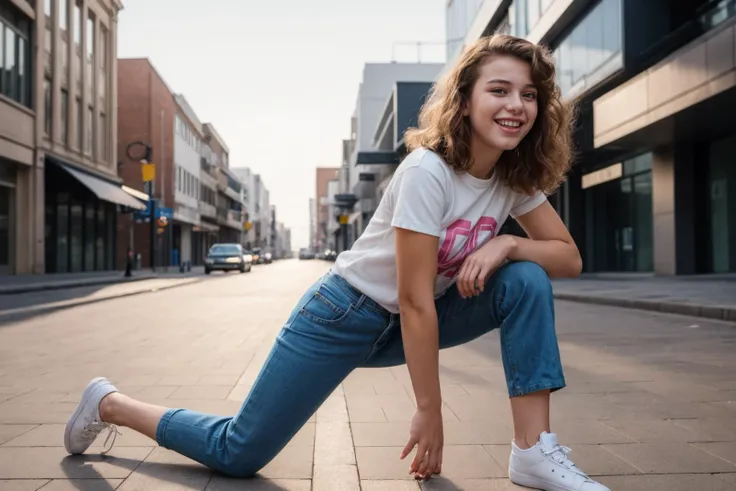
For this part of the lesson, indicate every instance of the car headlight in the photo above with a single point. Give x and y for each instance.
(248, 258)
(268, 255)
(233, 260)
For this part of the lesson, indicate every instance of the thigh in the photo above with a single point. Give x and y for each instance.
(460, 320)
(328, 334)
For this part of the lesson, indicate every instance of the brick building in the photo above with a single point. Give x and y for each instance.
(146, 114)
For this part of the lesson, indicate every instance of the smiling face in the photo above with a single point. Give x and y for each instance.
(503, 104)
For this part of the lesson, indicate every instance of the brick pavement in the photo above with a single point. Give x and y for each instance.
(650, 403)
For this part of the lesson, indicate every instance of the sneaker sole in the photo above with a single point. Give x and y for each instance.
(86, 395)
(534, 482)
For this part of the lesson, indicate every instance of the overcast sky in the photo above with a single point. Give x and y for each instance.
(278, 78)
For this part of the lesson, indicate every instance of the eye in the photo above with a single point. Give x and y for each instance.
(498, 91)
(532, 96)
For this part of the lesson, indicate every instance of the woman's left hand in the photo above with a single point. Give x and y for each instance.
(479, 265)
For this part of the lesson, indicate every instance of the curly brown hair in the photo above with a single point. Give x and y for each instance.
(543, 157)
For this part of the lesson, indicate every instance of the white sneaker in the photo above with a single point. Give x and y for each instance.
(85, 423)
(546, 466)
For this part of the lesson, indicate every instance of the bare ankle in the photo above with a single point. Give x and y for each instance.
(107, 408)
(526, 441)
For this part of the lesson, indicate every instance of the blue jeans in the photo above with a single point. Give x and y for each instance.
(335, 329)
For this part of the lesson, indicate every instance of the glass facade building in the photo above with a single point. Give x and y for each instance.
(618, 228)
(653, 187)
(591, 50)
(80, 229)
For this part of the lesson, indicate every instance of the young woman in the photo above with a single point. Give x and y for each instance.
(429, 272)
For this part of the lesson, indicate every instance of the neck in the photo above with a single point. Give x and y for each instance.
(484, 158)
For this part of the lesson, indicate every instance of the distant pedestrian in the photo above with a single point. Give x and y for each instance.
(429, 272)
(129, 263)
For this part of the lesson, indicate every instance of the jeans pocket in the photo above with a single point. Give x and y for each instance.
(327, 305)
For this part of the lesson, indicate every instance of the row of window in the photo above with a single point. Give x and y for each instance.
(15, 58)
(187, 183)
(590, 47)
(190, 136)
(459, 16)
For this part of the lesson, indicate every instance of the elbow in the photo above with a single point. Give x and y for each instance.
(568, 266)
(413, 305)
(575, 265)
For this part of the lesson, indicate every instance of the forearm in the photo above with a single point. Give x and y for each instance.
(420, 333)
(558, 258)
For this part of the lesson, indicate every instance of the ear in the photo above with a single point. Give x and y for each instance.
(466, 108)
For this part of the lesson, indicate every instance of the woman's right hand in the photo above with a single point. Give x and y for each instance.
(427, 433)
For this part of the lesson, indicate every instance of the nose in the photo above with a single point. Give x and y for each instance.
(515, 104)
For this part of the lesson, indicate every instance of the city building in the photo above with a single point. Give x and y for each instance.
(194, 226)
(193, 187)
(312, 222)
(60, 195)
(357, 200)
(322, 217)
(247, 180)
(653, 188)
(229, 196)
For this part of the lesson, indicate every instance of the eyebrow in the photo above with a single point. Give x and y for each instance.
(506, 82)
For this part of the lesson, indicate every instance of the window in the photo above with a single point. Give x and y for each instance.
(11, 68)
(15, 31)
(592, 50)
(64, 117)
(47, 107)
(48, 35)
(102, 57)
(64, 38)
(80, 125)
(90, 130)
(535, 9)
(104, 156)
(91, 45)
(63, 15)
(78, 66)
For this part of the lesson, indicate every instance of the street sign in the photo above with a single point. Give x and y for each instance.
(145, 215)
(149, 171)
(344, 219)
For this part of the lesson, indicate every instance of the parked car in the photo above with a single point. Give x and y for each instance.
(227, 257)
(260, 257)
(305, 253)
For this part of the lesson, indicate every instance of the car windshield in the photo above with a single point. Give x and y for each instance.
(225, 249)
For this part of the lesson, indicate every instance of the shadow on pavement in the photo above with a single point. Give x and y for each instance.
(80, 470)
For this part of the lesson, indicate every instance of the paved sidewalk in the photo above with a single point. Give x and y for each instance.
(14, 284)
(650, 403)
(711, 297)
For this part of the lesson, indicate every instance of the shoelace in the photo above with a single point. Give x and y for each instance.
(91, 430)
(559, 454)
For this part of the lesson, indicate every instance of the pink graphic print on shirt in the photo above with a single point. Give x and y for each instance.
(448, 264)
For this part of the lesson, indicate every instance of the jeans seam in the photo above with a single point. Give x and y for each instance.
(555, 384)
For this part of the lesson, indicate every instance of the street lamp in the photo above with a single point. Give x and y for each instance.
(141, 152)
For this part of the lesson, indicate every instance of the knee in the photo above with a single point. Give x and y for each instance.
(239, 465)
(526, 279)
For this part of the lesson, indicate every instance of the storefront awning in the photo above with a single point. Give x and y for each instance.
(105, 190)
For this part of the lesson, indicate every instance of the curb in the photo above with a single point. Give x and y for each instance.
(72, 284)
(717, 312)
(24, 313)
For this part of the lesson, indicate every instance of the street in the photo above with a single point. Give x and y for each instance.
(650, 403)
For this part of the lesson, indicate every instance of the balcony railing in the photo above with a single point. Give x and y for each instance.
(207, 210)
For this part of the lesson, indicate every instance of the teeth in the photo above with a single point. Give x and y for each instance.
(511, 124)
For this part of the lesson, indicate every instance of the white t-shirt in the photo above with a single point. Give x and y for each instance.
(426, 195)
